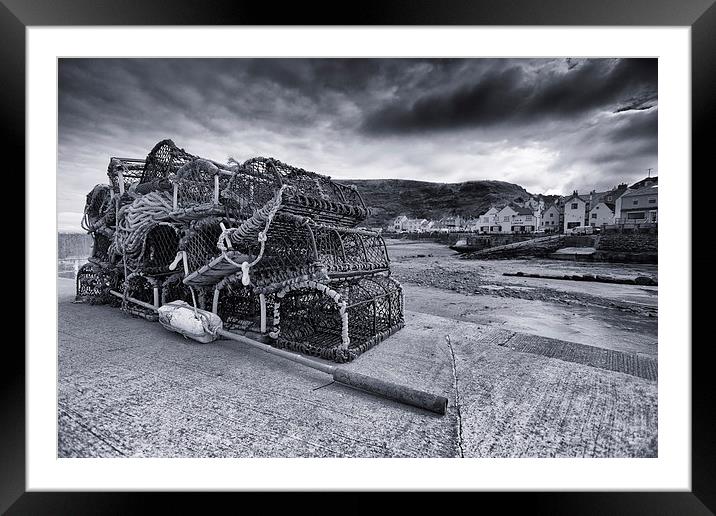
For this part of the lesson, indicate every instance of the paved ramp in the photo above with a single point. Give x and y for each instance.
(127, 387)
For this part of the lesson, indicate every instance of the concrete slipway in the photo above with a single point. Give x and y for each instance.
(127, 387)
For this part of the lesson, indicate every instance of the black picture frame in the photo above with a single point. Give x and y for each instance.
(700, 15)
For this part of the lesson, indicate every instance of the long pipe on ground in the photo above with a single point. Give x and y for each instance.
(376, 386)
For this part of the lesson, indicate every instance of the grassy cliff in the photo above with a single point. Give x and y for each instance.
(389, 198)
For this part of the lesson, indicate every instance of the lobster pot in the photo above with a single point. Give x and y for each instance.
(197, 185)
(340, 320)
(141, 288)
(239, 306)
(173, 289)
(98, 204)
(124, 173)
(100, 248)
(349, 252)
(160, 249)
(288, 252)
(248, 189)
(163, 160)
(314, 195)
(94, 283)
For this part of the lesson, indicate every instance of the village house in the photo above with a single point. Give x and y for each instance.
(399, 223)
(637, 206)
(403, 224)
(516, 219)
(601, 214)
(415, 225)
(575, 210)
(550, 222)
(451, 223)
(488, 222)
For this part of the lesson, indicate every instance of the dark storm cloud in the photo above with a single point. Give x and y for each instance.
(514, 94)
(551, 125)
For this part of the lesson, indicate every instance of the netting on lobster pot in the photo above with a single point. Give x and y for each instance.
(164, 159)
(239, 306)
(141, 288)
(199, 241)
(314, 195)
(94, 283)
(340, 320)
(198, 184)
(289, 248)
(123, 173)
(100, 248)
(349, 252)
(160, 248)
(249, 187)
(98, 204)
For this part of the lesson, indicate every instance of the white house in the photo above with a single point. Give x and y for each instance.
(504, 218)
(575, 211)
(602, 213)
(516, 219)
(415, 225)
(637, 206)
(550, 220)
(451, 223)
(399, 223)
(487, 222)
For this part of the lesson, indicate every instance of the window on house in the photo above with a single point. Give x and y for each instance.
(635, 215)
(551, 215)
(594, 215)
(505, 219)
(529, 217)
(636, 202)
(574, 205)
(652, 201)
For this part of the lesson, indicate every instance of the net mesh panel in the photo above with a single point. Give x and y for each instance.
(288, 248)
(200, 241)
(345, 251)
(195, 184)
(94, 283)
(310, 321)
(142, 289)
(132, 171)
(250, 187)
(239, 307)
(100, 248)
(163, 160)
(314, 195)
(99, 202)
(160, 249)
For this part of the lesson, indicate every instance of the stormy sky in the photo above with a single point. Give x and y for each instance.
(549, 125)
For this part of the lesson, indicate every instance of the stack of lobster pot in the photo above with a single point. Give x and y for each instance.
(274, 250)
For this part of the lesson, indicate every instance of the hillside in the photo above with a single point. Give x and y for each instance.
(389, 198)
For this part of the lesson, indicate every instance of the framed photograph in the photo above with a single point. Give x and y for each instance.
(414, 250)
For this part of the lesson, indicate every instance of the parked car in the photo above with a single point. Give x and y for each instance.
(580, 230)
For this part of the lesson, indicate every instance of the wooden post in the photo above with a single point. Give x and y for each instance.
(156, 297)
(216, 189)
(175, 196)
(120, 182)
(262, 300)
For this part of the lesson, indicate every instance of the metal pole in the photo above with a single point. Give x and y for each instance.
(376, 386)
